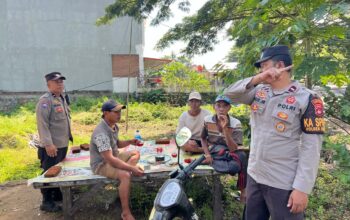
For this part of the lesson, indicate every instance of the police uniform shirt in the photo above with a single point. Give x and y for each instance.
(103, 138)
(212, 134)
(53, 121)
(286, 128)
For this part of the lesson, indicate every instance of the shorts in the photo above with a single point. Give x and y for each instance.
(107, 170)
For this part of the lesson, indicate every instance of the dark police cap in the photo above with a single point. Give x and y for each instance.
(269, 52)
(54, 76)
(112, 106)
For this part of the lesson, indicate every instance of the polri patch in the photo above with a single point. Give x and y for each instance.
(318, 106)
(261, 94)
(290, 99)
(254, 107)
(312, 121)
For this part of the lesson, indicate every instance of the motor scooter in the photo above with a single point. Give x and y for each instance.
(171, 201)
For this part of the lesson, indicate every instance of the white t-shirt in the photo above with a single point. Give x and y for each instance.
(194, 123)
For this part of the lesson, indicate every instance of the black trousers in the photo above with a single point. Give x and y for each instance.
(45, 163)
(264, 201)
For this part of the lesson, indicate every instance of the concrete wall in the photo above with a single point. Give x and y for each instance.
(41, 36)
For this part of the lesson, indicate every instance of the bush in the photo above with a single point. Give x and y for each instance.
(87, 118)
(153, 96)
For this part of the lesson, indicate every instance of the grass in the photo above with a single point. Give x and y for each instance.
(329, 200)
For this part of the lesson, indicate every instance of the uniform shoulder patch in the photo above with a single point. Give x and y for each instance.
(312, 121)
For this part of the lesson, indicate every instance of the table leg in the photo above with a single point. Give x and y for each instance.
(217, 200)
(67, 202)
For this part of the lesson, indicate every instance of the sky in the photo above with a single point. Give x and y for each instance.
(153, 34)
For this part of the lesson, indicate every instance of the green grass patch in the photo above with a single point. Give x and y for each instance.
(329, 200)
(17, 164)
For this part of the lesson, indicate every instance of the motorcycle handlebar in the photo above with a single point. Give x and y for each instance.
(187, 171)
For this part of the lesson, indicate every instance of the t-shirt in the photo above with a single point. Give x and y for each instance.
(103, 138)
(215, 137)
(194, 123)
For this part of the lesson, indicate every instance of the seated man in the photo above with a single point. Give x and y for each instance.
(193, 119)
(105, 158)
(224, 133)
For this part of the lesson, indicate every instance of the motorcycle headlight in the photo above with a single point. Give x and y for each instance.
(170, 194)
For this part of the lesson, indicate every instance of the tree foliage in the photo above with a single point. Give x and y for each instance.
(177, 77)
(317, 31)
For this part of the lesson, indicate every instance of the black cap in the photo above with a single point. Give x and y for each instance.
(112, 105)
(54, 76)
(269, 52)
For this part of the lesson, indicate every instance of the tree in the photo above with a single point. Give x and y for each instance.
(317, 32)
(177, 77)
(311, 28)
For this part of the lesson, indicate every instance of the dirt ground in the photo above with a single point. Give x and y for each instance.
(19, 201)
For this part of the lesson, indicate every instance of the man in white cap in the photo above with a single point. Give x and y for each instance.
(194, 120)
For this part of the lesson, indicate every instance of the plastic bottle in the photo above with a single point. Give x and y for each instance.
(138, 135)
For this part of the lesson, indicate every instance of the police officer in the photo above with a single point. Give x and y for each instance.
(287, 126)
(53, 122)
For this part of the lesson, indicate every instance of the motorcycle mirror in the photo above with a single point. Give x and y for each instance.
(183, 136)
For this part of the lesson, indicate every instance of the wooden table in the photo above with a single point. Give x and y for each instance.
(76, 172)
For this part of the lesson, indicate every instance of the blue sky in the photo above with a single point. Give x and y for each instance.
(153, 34)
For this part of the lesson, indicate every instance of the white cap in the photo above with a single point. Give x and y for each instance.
(194, 95)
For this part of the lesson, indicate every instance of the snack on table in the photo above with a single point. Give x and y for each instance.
(75, 150)
(163, 141)
(53, 171)
(159, 158)
(85, 146)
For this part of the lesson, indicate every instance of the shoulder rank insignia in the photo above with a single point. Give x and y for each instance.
(312, 122)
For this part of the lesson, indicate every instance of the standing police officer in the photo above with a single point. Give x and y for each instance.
(287, 126)
(53, 122)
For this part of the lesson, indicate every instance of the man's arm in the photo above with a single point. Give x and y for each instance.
(42, 111)
(309, 154)
(239, 92)
(231, 144)
(309, 158)
(102, 142)
(122, 144)
(204, 142)
(118, 163)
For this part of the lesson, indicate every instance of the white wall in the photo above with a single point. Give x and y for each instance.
(41, 36)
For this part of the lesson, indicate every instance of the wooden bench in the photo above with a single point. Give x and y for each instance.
(76, 173)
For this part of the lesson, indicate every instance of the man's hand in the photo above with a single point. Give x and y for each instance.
(137, 171)
(223, 121)
(51, 150)
(272, 74)
(297, 201)
(208, 159)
